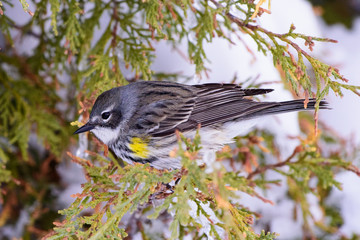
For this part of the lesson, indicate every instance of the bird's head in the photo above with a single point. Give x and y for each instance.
(110, 114)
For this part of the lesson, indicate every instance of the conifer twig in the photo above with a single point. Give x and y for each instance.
(262, 169)
(309, 41)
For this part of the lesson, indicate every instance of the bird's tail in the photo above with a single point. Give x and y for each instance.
(287, 106)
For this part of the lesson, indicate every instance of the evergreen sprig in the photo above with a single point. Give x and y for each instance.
(114, 191)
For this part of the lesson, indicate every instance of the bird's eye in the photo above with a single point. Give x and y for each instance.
(105, 115)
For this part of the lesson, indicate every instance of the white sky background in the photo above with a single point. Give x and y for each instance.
(229, 60)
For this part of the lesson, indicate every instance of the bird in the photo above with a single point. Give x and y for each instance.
(139, 121)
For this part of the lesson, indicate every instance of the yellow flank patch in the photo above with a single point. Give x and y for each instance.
(139, 147)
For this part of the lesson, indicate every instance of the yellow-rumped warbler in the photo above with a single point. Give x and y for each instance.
(138, 121)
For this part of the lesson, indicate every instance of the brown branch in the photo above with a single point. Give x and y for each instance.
(24, 31)
(262, 169)
(283, 38)
(353, 169)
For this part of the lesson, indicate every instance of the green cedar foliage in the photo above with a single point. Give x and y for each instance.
(35, 129)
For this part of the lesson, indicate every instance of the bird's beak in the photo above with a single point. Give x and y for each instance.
(85, 128)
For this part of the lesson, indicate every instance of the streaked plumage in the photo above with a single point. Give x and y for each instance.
(151, 112)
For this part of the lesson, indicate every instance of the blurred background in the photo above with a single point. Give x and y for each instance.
(335, 19)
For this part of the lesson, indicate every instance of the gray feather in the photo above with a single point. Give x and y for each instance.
(219, 103)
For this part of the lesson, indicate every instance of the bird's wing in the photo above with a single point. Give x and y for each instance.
(162, 107)
(185, 109)
(166, 107)
(219, 103)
